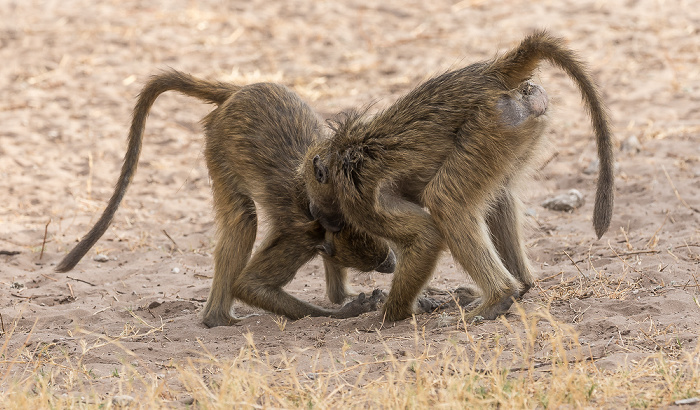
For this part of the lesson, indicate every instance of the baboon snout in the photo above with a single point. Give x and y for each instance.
(389, 263)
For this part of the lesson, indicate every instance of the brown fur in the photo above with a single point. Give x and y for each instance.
(438, 169)
(255, 141)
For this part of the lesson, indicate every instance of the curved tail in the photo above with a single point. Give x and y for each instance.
(212, 92)
(517, 65)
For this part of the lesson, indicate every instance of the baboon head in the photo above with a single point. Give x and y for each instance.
(345, 245)
(321, 191)
(351, 248)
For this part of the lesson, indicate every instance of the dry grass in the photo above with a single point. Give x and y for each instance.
(547, 368)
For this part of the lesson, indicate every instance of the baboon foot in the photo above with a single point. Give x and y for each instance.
(422, 305)
(397, 311)
(220, 319)
(361, 304)
(490, 311)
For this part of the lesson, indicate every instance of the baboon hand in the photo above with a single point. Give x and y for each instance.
(361, 304)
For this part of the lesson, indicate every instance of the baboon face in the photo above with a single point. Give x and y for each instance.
(343, 244)
(321, 190)
(352, 248)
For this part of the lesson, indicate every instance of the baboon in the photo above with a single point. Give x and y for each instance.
(255, 141)
(440, 167)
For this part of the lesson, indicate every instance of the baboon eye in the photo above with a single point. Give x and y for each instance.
(320, 170)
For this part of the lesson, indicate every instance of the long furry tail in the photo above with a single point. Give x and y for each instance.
(212, 92)
(517, 65)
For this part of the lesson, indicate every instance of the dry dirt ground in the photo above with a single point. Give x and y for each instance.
(68, 81)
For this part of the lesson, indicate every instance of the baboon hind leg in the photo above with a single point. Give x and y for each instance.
(468, 240)
(505, 227)
(237, 224)
(274, 265)
(460, 216)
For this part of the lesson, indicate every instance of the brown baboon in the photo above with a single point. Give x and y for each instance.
(456, 145)
(255, 140)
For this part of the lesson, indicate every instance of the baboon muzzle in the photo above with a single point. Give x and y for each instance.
(389, 264)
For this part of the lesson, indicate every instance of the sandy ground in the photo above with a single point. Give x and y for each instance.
(69, 77)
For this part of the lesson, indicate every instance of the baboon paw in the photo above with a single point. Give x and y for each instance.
(490, 311)
(361, 304)
(220, 320)
(395, 311)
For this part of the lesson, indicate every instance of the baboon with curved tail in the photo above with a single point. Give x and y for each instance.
(438, 168)
(255, 139)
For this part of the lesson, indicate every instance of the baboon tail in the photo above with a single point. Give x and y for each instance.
(212, 92)
(517, 65)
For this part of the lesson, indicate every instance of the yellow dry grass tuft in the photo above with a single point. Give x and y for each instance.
(548, 369)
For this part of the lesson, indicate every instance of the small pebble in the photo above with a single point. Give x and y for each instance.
(175, 270)
(592, 167)
(565, 202)
(631, 145)
(100, 258)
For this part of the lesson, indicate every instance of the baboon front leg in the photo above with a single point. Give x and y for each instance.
(505, 226)
(274, 265)
(412, 229)
(236, 228)
(337, 287)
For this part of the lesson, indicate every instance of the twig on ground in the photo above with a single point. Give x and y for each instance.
(652, 280)
(80, 280)
(575, 265)
(43, 244)
(101, 310)
(550, 277)
(9, 253)
(636, 252)
(171, 239)
(651, 240)
(678, 195)
(543, 364)
(49, 277)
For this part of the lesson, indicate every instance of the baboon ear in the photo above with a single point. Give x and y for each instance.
(320, 170)
(327, 248)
